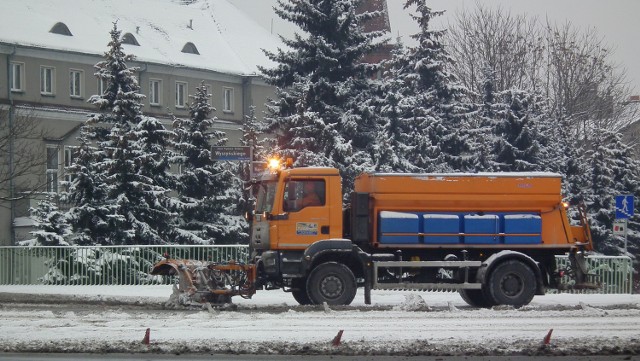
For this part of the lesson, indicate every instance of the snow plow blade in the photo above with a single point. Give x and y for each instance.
(205, 282)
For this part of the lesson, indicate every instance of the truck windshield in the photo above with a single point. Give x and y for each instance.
(266, 195)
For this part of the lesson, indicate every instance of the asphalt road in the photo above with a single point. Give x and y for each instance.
(59, 328)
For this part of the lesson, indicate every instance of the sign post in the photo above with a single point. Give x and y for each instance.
(624, 211)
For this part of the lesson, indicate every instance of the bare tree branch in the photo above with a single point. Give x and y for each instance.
(571, 66)
(22, 155)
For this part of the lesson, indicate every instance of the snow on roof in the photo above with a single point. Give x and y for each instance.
(226, 38)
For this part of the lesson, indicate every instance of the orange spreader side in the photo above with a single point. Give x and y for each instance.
(538, 193)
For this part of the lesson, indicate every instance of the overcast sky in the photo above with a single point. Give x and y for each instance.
(618, 21)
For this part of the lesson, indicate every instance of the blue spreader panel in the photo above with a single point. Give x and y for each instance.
(522, 229)
(396, 227)
(481, 229)
(441, 228)
(399, 227)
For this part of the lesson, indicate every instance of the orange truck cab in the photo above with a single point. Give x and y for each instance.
(493, 237)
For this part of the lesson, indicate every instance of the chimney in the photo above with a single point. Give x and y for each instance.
(380, 23)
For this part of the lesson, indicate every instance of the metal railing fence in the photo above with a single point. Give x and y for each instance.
(102, 265)
(130, 265)
(613, 273)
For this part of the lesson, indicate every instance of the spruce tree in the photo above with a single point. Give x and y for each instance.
(131, 158)
(323, 113)
(600, 199)
(517, 146)
(51, 224)
(87, 194)
(617, 174)
(251, 137)
(203, 184)
(626, 172)
(482, 125)
(391, 142)
(437, 134)
(569, 160)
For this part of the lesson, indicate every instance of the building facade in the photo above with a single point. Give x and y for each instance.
(48, 50)
(47, 61)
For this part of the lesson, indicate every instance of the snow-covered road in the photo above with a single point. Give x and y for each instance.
(398, 323)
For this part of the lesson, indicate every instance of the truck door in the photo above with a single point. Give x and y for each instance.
(305, 204)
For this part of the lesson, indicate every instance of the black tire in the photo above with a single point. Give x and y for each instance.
(299, 291)
(333, 283)
(476, 298)
(512, 283)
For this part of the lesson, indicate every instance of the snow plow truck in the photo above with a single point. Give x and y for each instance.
(492, 237)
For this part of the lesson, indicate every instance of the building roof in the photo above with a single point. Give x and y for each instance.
(204, 34)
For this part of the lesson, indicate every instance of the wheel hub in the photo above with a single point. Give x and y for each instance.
(331, 287)
(512, 285)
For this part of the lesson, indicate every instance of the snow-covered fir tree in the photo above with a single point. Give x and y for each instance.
(570, 161)
(437, 135)
(600, 199)
(203, 185)
(132, 156)
(324, 113)
(50, 223)
(614, 172)
(253, 138)
(517, 146)
(482, 124)
(391, 142)
(86, 194)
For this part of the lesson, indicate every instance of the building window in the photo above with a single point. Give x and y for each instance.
(61, 28)
(128, 38)
(190, 48)
(181, 94)
(17, 77)
(69, 159)
(155, 92)
(227, 101)
(75, 83)
(47, 77)
(52, 169)
(102, 86)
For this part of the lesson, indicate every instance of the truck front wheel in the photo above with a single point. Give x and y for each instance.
(333, 283)
(512, 283)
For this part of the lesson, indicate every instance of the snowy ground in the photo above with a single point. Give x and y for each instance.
(114, 319)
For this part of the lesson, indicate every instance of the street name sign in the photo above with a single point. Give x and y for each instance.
(231, 153)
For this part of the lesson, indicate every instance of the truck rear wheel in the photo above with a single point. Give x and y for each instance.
(475, 298)
(333, 283)
(512, 283)
(299, 291)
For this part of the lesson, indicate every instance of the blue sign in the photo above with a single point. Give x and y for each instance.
(624, 206)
